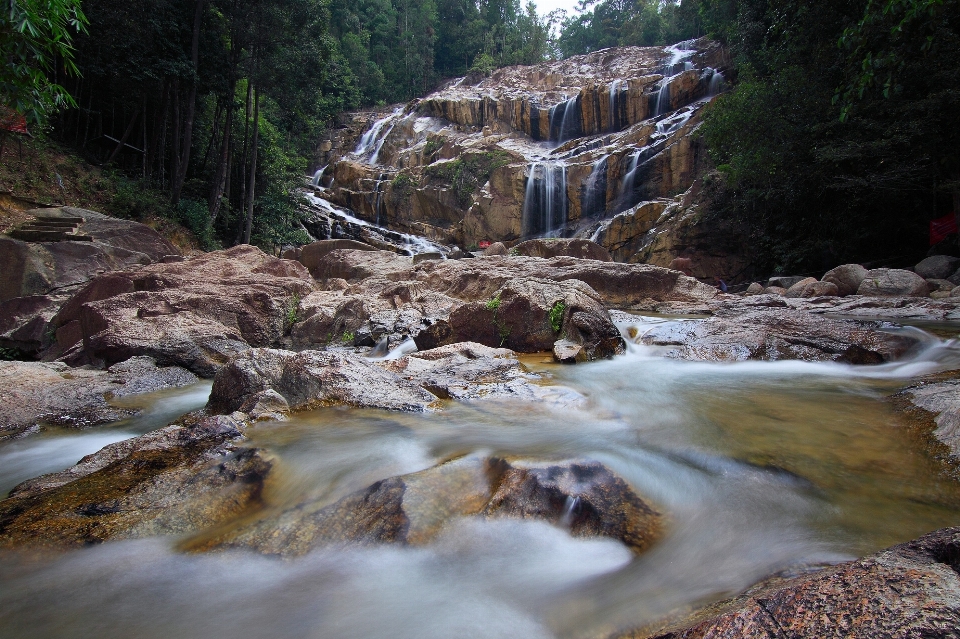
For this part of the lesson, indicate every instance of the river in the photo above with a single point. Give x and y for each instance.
(759, 467)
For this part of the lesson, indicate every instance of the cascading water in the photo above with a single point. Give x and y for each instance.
(595, 190)
(545, 200)
(678, 62)
(371, 142)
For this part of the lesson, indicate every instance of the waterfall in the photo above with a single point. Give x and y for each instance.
(368, 148)
(565, 121)
(595, 190)
(716, 84)
(545, 201)
(678, 62)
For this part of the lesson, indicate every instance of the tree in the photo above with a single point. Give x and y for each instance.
(36, 41)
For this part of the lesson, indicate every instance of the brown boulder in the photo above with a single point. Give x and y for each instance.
(847, 278)
(583, 249)
(411, 509)
(892, 282)
(910, 590)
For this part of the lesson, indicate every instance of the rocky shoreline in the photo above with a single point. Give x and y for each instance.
(338, 327)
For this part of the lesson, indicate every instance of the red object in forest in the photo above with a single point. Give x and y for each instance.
(484, 244)
(12, 121)
(942, 227)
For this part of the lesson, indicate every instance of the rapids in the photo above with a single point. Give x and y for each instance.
(758, 466)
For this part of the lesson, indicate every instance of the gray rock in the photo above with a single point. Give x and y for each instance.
(891, 282)
(937, 267)
(847, 278)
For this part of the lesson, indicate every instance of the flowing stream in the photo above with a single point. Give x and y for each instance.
(759, 467)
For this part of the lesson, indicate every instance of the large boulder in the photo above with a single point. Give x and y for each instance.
(197, 314)
(754, 329)
(39, 394)
(893, 282)
(583, 249)
(584, 497)
(173, 481)
(847, 278)
(937, 267)
(37, 268)
(910, 590)
(310, 379)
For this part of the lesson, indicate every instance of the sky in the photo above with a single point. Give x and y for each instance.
(546, 6)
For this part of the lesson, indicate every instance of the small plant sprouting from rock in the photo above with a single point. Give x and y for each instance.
(494, 303)
(556, 316)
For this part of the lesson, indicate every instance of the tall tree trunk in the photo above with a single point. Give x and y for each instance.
(186, 145)
(220, 179)
(251, 189)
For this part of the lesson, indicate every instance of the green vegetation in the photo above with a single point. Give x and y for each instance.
(467, 173)
(556, 315)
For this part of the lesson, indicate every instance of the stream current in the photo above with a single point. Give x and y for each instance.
(758, 466)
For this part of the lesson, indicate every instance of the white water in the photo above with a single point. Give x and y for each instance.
(758, 465)
(545, 199)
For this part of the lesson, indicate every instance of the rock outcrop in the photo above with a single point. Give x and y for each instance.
(39, 394)
(584, 497)
(910, 590)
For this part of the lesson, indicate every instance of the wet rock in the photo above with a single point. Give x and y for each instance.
(546, 248)
(37, 268)
(892, 282)
(582, 496)
(847, 278)
(196, 314)
(910, 590)
(937, 267)
(177, 480)
(942, 400)
(466, 371)
(38, 394)
(310, 379)
(743, 332)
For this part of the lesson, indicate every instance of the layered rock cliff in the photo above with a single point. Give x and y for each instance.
(589, 146)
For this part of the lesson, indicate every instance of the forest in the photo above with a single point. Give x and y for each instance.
(838, 141)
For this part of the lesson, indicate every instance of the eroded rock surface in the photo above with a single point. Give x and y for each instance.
(177, 480)
(582, 496)
(910, 590)
(38, 394)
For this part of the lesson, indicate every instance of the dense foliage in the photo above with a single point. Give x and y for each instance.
(839, 142)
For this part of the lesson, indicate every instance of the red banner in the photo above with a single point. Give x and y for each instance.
(12, 121)
(942, 227)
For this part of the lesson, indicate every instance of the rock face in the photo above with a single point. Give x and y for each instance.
(584, 497)
(910, 590)
(177, 480)
(196, 314)
(555, 149)
(54, 394)
(891, 282)
(37, 268)
(756, 330)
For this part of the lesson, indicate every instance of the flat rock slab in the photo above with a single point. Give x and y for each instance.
(177, 480)
(54, 394)
(584, 497)
(910, 590)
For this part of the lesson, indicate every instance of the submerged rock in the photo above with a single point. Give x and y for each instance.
(584, 497)
(910, 590)
(176, 480)
(38, 394)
